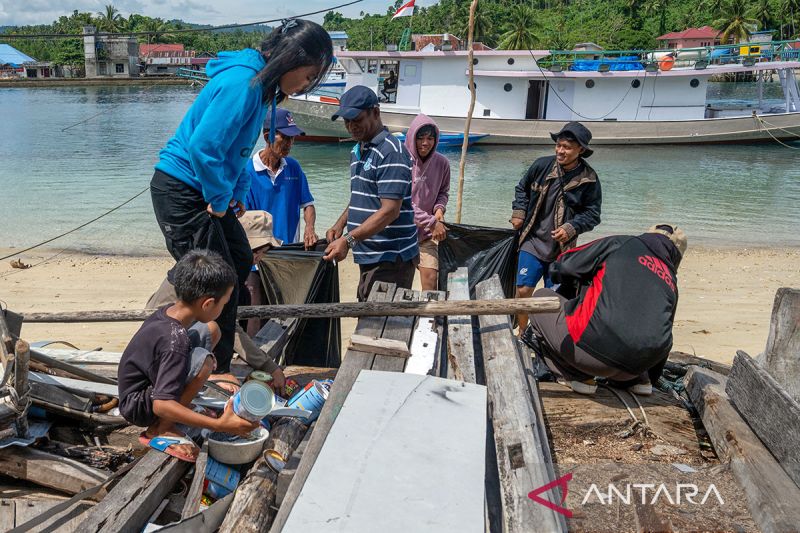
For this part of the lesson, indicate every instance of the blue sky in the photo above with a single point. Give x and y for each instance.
(17, 12)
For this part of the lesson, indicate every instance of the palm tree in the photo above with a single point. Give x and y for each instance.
(658, 7)
(110, 19)
(734, 22)
(482, 28)
(715, 7)
(520, 31)
(762, 12)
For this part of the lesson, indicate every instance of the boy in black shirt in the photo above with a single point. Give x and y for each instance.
(169, 359)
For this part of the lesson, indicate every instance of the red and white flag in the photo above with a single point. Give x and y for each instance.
(406, 10)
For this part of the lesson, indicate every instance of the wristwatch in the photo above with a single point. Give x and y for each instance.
(351, 241)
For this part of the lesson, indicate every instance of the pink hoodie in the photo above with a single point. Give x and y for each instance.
(430, 179)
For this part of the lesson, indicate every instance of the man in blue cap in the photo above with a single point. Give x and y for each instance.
(378, 223)
(278, 184)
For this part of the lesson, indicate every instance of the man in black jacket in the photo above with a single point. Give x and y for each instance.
(557, 199)
(618, 325)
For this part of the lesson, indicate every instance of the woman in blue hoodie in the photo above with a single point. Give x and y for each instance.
(200, 181)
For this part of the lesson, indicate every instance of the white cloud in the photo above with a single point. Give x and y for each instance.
(196, 11)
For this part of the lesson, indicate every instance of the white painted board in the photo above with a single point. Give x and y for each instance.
(81, 357)
(406, 453)
(424, 344)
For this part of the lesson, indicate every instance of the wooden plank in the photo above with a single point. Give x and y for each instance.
(64, 522)
(771, 494)
(49, 470)
(351, 366)
(424, 348)
(436, 329)
(77, 371)
(192, 504)
(332, 310)
(8, 513)
(77, 385)
(419, 441)
(273, 337)
(80, 357)
(287, 474)
(22, 359)
(773, 415)
(398, 328)
(689, 359)
(389, 347)
(56, 395)
(520, 460)
(253, 507)
(460, 351)
(133, 500)
(782, 354)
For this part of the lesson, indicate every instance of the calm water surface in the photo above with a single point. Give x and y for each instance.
(52, 180)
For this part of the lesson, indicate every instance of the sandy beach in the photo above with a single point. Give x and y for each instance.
(726, 295)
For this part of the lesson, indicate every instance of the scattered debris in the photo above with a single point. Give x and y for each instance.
(17, 263)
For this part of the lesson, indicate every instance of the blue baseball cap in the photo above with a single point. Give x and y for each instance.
(284, 122)
(354, 101)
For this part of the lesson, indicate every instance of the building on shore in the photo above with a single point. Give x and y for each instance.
(442, 41)
(164, 59)
(690, 38)
(339, 40)
(106, 56)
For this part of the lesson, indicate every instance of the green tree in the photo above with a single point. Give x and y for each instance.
(658, 8)
(735, 23)
(482, 24)
(762, 12)
(110, 19)
(520, 31)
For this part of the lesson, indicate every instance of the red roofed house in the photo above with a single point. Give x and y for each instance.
(691, 38)
(164, 59)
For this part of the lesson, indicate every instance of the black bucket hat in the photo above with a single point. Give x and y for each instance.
(581, 134)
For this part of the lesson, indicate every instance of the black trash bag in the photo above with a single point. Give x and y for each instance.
(292, 275)
(484, 251)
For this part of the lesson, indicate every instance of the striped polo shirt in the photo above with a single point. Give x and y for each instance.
(379, 169)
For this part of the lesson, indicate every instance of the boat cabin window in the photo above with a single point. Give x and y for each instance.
(372, 66)
(388, 80)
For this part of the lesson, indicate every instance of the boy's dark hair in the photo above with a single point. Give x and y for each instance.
(567, 136)
(202, 273)
(427, 129)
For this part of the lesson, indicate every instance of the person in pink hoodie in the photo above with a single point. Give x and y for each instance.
(430, 190)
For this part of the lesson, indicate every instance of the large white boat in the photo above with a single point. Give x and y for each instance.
(652, 97)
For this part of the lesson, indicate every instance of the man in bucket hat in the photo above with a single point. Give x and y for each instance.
(558, 198)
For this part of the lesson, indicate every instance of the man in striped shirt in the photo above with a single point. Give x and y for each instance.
(378, 223)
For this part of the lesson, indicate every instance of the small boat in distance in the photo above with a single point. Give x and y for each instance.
(624, 97)
(451, 140)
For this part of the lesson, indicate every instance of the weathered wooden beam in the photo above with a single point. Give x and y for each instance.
(77, 371)
(191, 505)
(520, 460)
(287, 474)
(274, 336)
(6, 340)
(132, 501)
(782, 354)
(389, 347)
(22, 359)
(352, 365)
(460, 352)
(332, 310)
(771, 494)
(253, 507)
(683, 358)
(58, 396)
(49, 470)
(397, 331)
(773, 415)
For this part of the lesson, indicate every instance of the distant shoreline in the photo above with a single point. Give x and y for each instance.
(90, 82)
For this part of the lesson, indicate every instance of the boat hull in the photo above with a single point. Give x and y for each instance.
(315, 119)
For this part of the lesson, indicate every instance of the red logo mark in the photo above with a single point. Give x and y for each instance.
(658, 268)
(560, 482)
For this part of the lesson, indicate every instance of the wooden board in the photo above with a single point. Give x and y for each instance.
(15, 513)
(192, 504)
(424, 348)
(273, 337)
(461, 353)
(129, 505)
(782, 354)
(772, 414)
(398, 328)
(49, 470)
(76, 385)
(80, 357)
(391, 421)
(351, 366)
(390, 347)
(287, 474)
(520, 461)
(771, 495)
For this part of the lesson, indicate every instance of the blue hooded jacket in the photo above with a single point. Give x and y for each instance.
(213, 143)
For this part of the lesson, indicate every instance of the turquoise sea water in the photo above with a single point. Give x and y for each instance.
(53, 180)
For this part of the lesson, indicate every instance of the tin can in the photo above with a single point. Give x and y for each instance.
(215, 490)
(259, 376)
(222, 474)
(311, 398)
(291, 387)
(253, 401)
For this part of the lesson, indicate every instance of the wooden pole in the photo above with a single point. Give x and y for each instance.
(22, 358)
(509, 306)
(468, 123)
